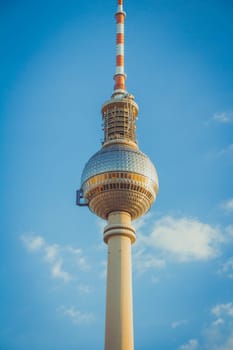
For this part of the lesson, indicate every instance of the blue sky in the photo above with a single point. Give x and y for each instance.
(57, 63)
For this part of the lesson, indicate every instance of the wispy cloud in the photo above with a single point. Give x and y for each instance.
(177, 324)
(227, 206)
(218, 334)
(223, 310)
(184, 239)
(76, 316)
(51, 252)
(228, 345)
(226, 268)
(218, 338)
(56, 256)
(143, 261)
(58, 272)
(219, 321)
(33, 243)
(84, 289)
(227, 151)
(223, 117)
(142, 221)
(192, 344)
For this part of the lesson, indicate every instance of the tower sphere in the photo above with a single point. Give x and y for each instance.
(119, 178)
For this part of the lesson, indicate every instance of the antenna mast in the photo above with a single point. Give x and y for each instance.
(120, 76)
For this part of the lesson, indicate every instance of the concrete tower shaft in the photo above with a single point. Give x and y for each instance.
(119, 235)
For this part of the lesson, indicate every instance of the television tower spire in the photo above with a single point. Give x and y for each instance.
(120, 38)
(119, 183)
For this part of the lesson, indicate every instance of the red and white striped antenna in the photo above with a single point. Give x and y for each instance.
(120, 75)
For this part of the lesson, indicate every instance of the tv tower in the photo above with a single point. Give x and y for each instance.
(119, 183)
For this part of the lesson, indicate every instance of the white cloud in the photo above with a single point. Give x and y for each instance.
(77, 256)
(57, 272)
(228, 205)
(191, 345)
(139, 223)
(56, 256)
(177, 324)
(184, 239)
(223, 117)
(218, 334)
(75, 251)
(143, 261)
(51, 252)
(77, 316)
(223, 310)
(228, 344)
(33, 243)
(218, 322)
(227, 268)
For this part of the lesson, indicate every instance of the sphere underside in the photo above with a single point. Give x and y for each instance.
(131, 201)
(119, 178)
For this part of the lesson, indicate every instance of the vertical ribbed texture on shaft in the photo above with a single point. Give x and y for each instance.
(119, 304)
(120, 73)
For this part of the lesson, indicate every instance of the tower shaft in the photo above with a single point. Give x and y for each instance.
(119, 236)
